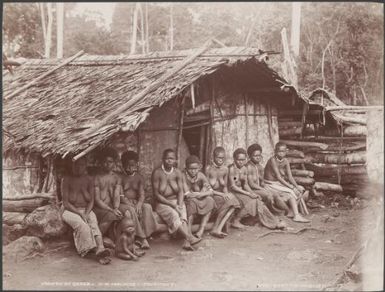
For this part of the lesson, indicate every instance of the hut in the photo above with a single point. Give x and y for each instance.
(187, 100)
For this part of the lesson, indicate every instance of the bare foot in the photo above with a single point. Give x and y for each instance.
(238, 225)
(103, 253)
(290, 214)
(187, 246)
(145, 244)
(217, 234)
(139, 253)
(299, 218)
(199, 234)
(194, 240)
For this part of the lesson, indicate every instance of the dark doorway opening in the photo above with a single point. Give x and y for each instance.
(197, 142)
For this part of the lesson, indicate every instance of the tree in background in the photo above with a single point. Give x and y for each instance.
(22, 31)
(341, 43)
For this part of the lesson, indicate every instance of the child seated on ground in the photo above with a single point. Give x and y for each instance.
(278, 177)
(198, 194)
(125, 240)
(217, 174)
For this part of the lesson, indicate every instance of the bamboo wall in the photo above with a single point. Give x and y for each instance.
(157, 133)
(248, 124)
(25, 174)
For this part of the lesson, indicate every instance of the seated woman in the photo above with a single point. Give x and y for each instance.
(132, 199)
(276, 169)
(226, 202)
(78, 201)
(255, 173)
(251, 202)
(167, 185)
(198, 194)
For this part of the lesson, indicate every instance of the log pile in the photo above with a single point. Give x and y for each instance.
(337, 160)
(15, 211)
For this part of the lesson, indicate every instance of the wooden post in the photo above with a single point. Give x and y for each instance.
(180, 131)
(202, 143)
(303, 121)
(59, 29)
(247, 121)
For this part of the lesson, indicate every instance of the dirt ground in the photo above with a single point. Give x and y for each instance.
(306, 257)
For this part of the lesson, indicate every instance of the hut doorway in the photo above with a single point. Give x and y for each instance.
(196, 138)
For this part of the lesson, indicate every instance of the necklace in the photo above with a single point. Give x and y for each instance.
(167, 172)
(190, 178)
(279, 159)
(216, 165)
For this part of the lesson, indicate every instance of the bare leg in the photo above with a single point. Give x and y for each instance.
(145, 244)
(280, 203)
(189, 239)
(237, 219)
(99, 243)
(221, 219)
(297, 217)
(218, 232)
(204, 221)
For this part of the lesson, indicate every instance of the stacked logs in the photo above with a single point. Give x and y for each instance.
(337, 161)
(15, 209)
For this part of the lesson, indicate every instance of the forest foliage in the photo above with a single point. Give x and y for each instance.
(341, 43)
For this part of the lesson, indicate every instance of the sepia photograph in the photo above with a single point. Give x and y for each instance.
(193, 146)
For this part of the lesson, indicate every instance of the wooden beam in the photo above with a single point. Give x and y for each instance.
(305, 144)
(29, 84)
(156, 84)
(180, 130)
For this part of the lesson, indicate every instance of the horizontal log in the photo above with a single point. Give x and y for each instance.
(295, 153)
(348, 131)
(30, 197)
(302, 172)
(293, 160)
(332, 170)
(304, 144)
(23, 205)
(304, 181)
(343, 158)
(12, 218)
(293, 131)
(299, 113)
(289, 124)
(324, 186)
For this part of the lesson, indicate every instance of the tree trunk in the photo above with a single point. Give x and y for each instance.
(48, 40)
(59, 29)
(147, 28)
(142, 32)
(171, 28)
(134, 29)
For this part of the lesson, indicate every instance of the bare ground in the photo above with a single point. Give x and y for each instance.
(311, 259)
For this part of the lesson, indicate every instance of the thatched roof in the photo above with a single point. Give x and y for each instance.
(52, 116)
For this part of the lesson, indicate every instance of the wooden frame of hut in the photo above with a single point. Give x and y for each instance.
(226, 96)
